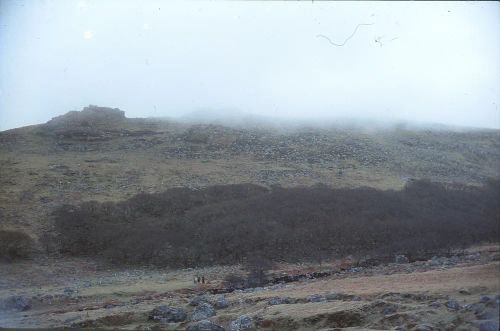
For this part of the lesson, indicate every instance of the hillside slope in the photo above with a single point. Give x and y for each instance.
(99, 154)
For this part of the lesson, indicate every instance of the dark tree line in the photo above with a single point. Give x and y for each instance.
(235, 223)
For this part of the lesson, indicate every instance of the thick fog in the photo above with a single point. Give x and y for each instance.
(425, 62)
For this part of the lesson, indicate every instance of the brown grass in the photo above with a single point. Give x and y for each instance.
(446, 280)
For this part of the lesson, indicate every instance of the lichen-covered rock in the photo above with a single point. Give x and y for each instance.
(220, 302)
(197, 300)
(453, 304)
(242, 323)
(203, 311)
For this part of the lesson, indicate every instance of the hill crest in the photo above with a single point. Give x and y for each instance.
(100, 154)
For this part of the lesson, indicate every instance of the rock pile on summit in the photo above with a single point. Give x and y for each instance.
(89, 116)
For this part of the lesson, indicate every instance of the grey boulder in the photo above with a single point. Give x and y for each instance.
(221, 302)
(203, 311)
(243, 322)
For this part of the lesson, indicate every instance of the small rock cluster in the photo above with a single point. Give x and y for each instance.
(167, 314)
(279, 301)
(199, 319)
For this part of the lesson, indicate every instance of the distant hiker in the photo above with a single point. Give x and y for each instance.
(203, 279)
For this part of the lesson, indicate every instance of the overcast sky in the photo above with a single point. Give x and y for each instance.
(418, 61)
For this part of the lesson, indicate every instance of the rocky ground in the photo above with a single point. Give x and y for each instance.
(459, 292)
(99, 154)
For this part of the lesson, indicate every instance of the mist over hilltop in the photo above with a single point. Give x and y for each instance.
(409, 62)
(95, 115)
